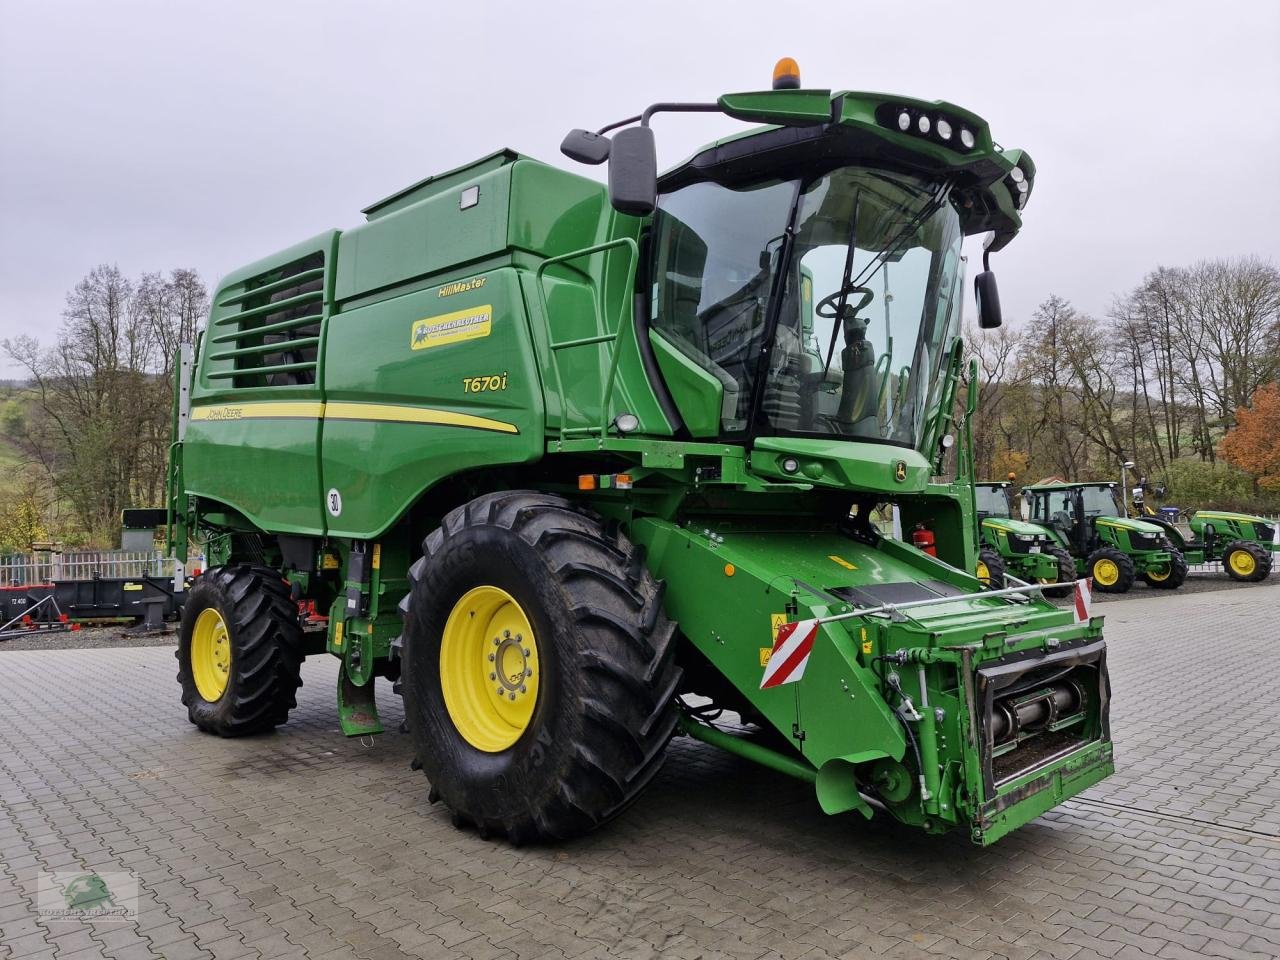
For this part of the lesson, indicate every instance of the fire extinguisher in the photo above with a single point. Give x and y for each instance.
(922, 538)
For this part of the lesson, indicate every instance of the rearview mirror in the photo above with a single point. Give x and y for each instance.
(585, 147)
(984, 286)
(633, 171)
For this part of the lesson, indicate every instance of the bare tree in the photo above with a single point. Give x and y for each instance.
(99, 422)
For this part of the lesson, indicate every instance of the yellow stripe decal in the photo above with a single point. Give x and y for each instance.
(392, 413)
(374, 412)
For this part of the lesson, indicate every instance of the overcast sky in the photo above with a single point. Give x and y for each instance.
(156, 135)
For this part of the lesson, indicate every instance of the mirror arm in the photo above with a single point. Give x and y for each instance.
(614, 126)
(677, 108)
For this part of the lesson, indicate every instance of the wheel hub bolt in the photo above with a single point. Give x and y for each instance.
(493, 676)
(491, 658)
(526, 651)
(513, 696)
(522, 689)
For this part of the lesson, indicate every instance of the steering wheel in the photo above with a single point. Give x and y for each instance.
(828, 306)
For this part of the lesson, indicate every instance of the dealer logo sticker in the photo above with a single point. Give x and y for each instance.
(333, 500)
(470, 324)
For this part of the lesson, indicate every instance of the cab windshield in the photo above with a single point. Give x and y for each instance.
(1100, 502)
(821, 307)
(992, 501)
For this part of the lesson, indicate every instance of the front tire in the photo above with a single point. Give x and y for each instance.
(1066, 574)
(1171, 578)
(990, 570)
(570, 734)
(1246, 561)
(238, 653)
(1111, 570)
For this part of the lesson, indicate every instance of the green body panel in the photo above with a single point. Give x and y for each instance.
(998, 533)
(269, 471)
(380, 467)
(486, 328)
(1228, 526)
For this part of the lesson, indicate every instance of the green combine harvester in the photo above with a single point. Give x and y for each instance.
(1028, 551)
(1088, 520)
(577, 469)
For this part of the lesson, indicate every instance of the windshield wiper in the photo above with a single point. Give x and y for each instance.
(869, 271)
(845, 288)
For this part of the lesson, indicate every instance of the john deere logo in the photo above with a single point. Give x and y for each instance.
(900, 471)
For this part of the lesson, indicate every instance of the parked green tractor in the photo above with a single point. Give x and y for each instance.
(1089, 521)
(1242, 543)
(1008, 546)
(577, 469)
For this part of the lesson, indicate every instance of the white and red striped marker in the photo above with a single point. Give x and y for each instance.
(1084, 600)
(790, 653)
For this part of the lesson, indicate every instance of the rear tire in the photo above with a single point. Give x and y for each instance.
(603, 657)
(1115, 567)
(1176, 575)
(1066, 573)
(1246, 561)
(990, 570)
(245, 614)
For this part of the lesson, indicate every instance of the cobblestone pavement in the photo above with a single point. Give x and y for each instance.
(303, 843)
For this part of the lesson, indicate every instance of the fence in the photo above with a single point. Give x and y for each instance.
(21, 569)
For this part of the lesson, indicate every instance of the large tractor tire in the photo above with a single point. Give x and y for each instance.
(1173, 576)
(239, 651)
(1066, 573)
(1111, 570)
(1246, 561)
(990, 569)
(537, 667)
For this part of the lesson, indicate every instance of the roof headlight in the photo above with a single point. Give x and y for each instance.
(966, 138)
(904, 121)
(923, 124)
(944, 128)
(1016, 175)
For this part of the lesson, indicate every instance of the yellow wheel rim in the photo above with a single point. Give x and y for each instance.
(1242, 562)
(211, 655)
(1159, 574)
(489, 669)
(1106, 572)
(983, 573)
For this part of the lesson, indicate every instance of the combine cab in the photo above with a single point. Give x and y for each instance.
(578, 469)
(1088, 519)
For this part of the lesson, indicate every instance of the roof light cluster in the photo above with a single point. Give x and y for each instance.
(936, 126)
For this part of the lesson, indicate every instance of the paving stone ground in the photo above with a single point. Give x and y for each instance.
(303, 843)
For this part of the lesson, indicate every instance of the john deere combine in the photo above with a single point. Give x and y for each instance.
(1089, 520)
(1029, 551)
(577, 469)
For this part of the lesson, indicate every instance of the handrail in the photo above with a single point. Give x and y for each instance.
(632, 265)
(893, 608)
